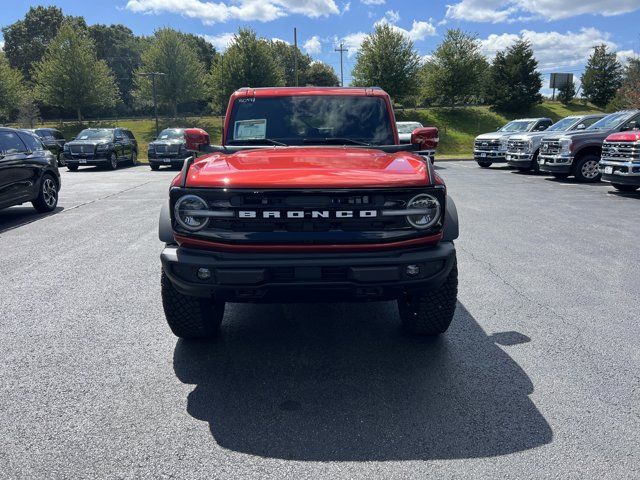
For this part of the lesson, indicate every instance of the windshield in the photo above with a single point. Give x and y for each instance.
(562, 125)
(610, 121)
(95, 134)
(310, 119)
(171, 134)
(517, 126)
(408, 127)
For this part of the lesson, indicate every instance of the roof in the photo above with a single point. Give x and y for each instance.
(295, 91)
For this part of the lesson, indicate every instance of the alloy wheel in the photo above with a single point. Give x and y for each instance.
(590, 169)
(49, 192)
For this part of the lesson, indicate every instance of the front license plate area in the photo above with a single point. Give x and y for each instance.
(82, 160)
(166, 160)
(608, 170)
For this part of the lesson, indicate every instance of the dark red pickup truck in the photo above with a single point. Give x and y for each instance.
(310, 197)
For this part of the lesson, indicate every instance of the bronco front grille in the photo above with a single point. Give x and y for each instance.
(317, 219)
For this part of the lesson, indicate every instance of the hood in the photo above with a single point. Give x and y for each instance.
(88, 142)
(577, 135)
(175, 141)
(309, 167)
(624, 137)
(528, 135)
(495, 135)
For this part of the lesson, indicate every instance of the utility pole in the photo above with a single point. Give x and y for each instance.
(341, 50)
(153, 76)
(295, 54)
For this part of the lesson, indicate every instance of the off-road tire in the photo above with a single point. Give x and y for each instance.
(625, 188)
(190, 317)
(430, 313)
(560, 176)
(72, 168)
(578, 169)
(485, 164)
(47, 199)
(155, 168)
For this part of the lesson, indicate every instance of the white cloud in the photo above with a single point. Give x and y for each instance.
(220, 42)
(245, 10)
(419, 30)
(313, 46)
(276, 39)
(497, 11)
(352, 42)
(1, 44)
(373, 2)
(553, 50)
(346, 7)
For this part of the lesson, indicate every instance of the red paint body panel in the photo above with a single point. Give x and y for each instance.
(225, 247)
(623, 137)
(309, 167)
(194, 137)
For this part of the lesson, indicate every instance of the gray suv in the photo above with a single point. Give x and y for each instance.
(523, 149)
(492, 147)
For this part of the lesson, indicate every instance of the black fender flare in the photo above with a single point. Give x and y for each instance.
(165, 229)
(451, 230)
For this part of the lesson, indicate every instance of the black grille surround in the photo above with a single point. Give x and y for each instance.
(308, 230)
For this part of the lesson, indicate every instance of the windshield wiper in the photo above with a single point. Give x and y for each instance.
(251, 141)
(335, 140)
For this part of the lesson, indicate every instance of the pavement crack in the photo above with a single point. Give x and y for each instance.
(114, 194)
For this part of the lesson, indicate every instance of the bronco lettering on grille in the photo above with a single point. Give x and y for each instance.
(308, 214)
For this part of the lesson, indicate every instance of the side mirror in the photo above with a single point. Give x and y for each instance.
(541, 128)
(426, 138)
(582, 126)
(196, 139)
(630, 126)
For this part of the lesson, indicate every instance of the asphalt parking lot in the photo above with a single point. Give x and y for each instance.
(537, 378)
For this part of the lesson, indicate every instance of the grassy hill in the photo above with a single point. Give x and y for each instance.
(458, 126)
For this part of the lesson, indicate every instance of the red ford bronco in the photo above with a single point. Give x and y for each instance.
(310, 197)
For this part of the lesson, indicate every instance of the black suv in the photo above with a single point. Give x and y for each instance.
(170, 148)
(101, 146)
(53, 141)
(28, 172)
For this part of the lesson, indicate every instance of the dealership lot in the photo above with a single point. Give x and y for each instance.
(537, 378)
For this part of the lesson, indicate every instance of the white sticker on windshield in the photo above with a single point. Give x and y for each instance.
(164, 136)
(250, 129)
(84, 137)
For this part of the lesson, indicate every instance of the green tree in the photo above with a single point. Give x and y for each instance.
(120, 49)
(71, 77)
(387, 59)
(566, 93)
(602, 76)
(248, 62)
(628, 95)
(455, 72)
(513, 82)
(184, 76)
(285, 56)
(320, 74)
(26, 40)
(205, 51)
(12, 89)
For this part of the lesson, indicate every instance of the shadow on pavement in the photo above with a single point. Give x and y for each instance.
(21, 215)
(340, 382)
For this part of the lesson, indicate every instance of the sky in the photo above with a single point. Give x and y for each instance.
(562, 33)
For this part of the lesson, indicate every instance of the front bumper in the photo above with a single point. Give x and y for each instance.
(519, 159)
(626, 173)
(555, 163)
(302, 277)
(86, 160)
(174, 161)
(495, 156)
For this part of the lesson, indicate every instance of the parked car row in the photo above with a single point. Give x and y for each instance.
(588, 147)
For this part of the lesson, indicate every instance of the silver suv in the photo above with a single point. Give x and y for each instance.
(492, 147)
(522, 149)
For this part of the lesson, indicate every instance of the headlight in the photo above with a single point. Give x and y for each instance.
(104, 146)
(430, 211)
(186, 209)
(504, 142)
(65, 148)
(529, 145)
(151, 146)
(565, 145)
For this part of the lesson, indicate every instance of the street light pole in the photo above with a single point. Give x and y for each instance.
(153, 76)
